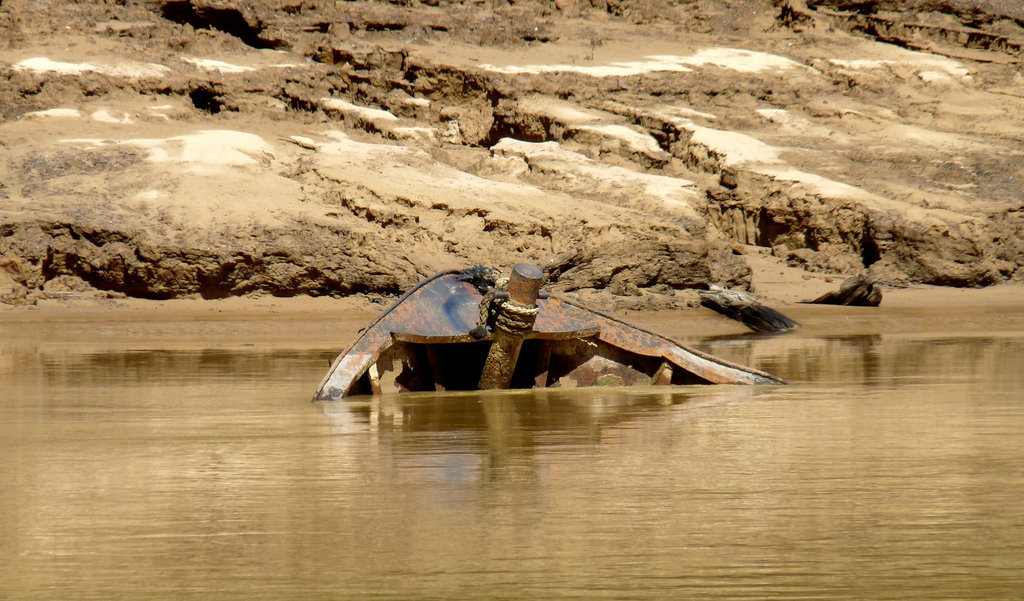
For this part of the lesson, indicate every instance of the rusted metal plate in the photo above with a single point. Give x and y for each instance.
(513, 322)
(442, 310)
(439, 306)
(602, 371)
(623, 335)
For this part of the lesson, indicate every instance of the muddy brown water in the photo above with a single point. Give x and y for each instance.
(141, 461)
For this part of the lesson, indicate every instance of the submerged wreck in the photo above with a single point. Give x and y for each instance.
(471, 330)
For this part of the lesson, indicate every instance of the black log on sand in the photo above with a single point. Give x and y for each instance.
(856, 291)
(743, 307)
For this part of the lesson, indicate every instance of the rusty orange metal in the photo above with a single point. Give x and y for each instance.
(422, 343)
(507, 341)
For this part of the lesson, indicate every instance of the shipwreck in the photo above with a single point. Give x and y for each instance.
(472, 330)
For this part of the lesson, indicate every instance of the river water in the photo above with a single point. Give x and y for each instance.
(143, 461)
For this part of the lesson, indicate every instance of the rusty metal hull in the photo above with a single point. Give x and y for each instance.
(422, 343)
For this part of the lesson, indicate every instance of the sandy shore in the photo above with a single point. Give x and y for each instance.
(332, 322)
(635, 149)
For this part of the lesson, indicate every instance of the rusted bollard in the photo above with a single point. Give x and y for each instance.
(515, 318)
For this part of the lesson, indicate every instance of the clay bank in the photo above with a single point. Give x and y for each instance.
(637, 151)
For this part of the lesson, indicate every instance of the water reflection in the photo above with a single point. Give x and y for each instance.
(508, 428)
(892, 466)
(584, 411)
(875, 359)
(166, 366)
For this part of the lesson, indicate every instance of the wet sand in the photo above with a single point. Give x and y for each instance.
(921, 310)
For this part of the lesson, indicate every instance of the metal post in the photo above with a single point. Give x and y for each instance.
(523, 288)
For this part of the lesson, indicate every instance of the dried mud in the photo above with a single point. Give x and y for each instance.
(638, 151)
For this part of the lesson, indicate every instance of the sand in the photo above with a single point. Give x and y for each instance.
(636, 152)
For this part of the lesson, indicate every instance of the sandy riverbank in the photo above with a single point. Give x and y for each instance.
(638, 150)
(923, 310)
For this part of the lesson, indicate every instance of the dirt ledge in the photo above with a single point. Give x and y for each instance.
(190, 148)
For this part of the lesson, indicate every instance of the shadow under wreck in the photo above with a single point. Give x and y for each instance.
(471, 330)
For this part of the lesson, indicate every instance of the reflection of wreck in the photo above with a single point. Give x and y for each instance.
(491, 436)
(477, 417)
(466, 331)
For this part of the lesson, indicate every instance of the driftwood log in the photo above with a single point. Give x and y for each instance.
(857, 291)
(743, 307)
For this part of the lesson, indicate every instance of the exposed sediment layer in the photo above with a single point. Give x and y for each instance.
(191, 148)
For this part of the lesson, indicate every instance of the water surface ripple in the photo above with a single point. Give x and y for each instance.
(891, 467)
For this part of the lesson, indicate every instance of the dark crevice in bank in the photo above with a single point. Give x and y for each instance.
(206, 99)
(228, 20)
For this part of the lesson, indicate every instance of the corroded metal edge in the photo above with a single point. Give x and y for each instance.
(680, 357)
(354, 361)
(367, 358)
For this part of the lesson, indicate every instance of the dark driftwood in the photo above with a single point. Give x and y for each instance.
(743, 307)
(856, 291)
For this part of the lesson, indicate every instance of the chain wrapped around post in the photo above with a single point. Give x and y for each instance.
(513, 317)
(496, 309)
(488, 307)
(510, 304)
